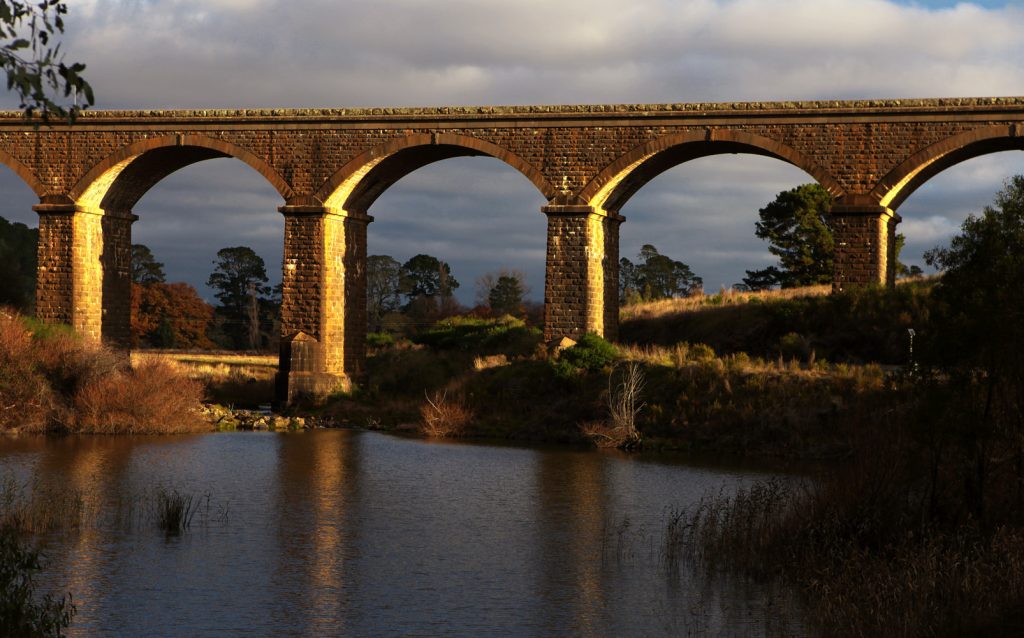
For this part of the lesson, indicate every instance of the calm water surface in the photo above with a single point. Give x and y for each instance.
(343, 533)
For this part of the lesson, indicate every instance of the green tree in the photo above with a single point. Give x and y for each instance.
(383, 288)
(145, 268)
(982, 310)
(977, 341)
(427, 276)
(656, 276)
(31, 57)
(239, 276)
(18, 265)
(503, 291)
(506, 297)
(796, 227)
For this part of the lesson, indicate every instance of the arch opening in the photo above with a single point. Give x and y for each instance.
(118, 182)
(185, 219)
(703, 212)
(472, 212)
(937, 207)
(19, 233)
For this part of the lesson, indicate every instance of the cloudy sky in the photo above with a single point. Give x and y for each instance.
(479, 214)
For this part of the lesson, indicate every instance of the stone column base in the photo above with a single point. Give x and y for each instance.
(301, 372)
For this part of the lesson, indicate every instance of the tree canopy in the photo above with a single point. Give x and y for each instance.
(795, 225)
(145, 268)
(427, 276)
(32, 58)
(503, 291)
(506, 296)
(169, 316)
(240, 281)
(383, 288)
(656, 276)
(980, 319)
(17, 265)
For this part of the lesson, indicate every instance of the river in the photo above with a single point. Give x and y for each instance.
(347, 533)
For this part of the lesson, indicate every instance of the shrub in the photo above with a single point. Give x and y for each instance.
(591, 353)
(380, 340)
(152, 398)
(505, 335)
(443, 416)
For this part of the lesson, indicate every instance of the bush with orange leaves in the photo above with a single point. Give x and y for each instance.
(52, 382)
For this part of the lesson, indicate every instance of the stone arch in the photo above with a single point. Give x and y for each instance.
(363, 179)
(902, 181)
(120, 180)
(24, 172)
(621, 179)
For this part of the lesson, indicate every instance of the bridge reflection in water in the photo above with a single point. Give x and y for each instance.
(336, 533)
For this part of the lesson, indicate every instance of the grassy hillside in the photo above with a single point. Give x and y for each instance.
(867, 325)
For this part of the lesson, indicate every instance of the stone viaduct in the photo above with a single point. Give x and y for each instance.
(329, 165)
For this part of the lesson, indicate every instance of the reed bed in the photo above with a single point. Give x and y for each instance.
(38, 508)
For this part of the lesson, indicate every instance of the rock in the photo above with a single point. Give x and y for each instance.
(558, 345)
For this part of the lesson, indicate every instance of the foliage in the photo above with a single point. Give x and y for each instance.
(980, 293)
(33, 61)
(145, 268)
(23, 612)
(427, 276)
(383, 288)
(18, 265)
(796, 227)
(502, 291)
(656, 276)
(506, 297)
(240, 279)
(53, 382)
(507, 335)
(380, 340)
(590, 353)
(170, 316)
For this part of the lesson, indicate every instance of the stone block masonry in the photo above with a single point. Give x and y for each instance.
(329, 166)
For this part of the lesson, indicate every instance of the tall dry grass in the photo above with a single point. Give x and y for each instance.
(50, 381)
(151, 398)
(726, 297)
(230, 378)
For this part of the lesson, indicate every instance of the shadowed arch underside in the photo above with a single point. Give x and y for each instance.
(621, 179)
(906, 178)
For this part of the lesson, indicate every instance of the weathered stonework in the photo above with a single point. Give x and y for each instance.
(329, 165)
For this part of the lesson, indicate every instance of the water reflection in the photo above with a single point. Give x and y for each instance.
(344, 533)
(317, 488)
(571, 524)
